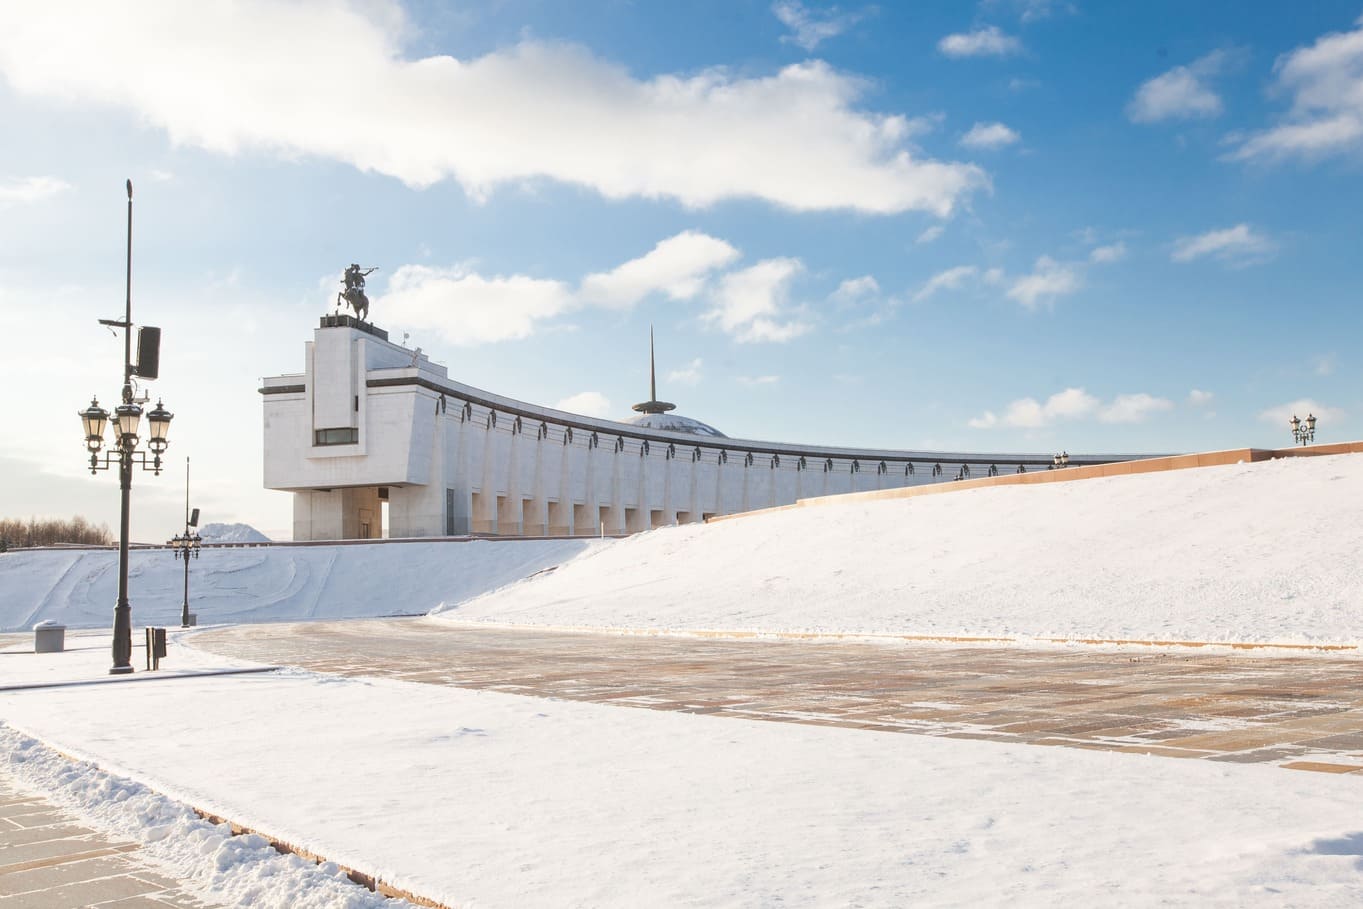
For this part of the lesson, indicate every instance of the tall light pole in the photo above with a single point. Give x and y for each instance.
(186, 544)
(1303, 431)
(127, 419)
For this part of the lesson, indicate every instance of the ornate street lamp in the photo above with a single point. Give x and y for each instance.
(123, 452)
(1303, 431)
(185, 544)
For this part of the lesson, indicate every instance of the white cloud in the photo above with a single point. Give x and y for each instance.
(466, 308)
(987, 41)
(24, 190)
(808, 28)
(1048, 281)
(1135, 408)
(1181, 93)
(855, 291)
(676, 267)
(687, 375)
(1302, 407)
(587, 403)
(989, 135)
(986, 420)
(329, 79)
(1238, 245)
(1199, 398)
(758, 380)
(1106, 255)
(1324, 364)
(1072, 404)
(931, 234)
(751, 304)
(1326, 117)
(994, 277)
(951, 279)
(1017, 84)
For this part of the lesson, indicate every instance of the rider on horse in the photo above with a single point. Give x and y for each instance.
(354, 290)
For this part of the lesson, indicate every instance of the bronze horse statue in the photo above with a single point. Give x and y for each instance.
(354, 295)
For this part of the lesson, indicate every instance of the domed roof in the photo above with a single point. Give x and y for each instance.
(674, 422)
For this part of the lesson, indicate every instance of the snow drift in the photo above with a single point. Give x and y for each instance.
(1263, 552)
(268, 584)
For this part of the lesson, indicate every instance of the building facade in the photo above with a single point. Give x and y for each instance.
(372, 428)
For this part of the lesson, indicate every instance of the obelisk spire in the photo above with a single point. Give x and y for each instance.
(653, 405)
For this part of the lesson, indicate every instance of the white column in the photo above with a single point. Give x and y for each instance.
(616, 524)
(538, 521)
(486, 519)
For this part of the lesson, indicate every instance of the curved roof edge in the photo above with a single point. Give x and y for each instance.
(404, 376)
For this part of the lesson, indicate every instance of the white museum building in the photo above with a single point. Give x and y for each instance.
(373, 439)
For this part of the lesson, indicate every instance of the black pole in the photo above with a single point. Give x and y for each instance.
(123, 628)
(184, 610)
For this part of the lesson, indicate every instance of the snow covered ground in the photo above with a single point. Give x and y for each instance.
(483, 798)
(1264, 552)
(270, 584)
(479, 798)
(1260, 552)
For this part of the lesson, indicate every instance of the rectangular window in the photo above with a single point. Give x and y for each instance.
(346, 436)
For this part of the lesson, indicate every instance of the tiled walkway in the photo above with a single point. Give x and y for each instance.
(1300, 711)
(48, 861)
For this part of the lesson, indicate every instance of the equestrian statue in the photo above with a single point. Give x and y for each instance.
(353, 295)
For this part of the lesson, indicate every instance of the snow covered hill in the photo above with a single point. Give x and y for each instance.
(1265, 552)
(269, 584)
(231, 533)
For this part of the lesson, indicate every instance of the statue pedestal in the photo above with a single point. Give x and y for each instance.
(340, 321)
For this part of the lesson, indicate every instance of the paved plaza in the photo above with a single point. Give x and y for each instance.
(1301, 711)
(47, 860)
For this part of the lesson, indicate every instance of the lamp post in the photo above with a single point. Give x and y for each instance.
(1303, 431)
(186, 543)
(123, 450)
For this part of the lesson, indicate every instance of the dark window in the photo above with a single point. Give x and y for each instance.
(347, 436)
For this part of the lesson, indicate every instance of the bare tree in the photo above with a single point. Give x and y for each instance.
(51, 531)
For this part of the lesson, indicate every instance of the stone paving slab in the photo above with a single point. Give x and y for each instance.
(1301, 709)
(48, 860)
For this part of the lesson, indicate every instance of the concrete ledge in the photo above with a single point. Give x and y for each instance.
(893, 638)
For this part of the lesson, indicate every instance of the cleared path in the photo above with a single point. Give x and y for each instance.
(48, 860)
(1303, 712)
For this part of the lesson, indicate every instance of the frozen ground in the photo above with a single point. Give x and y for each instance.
(268, 584)
(478, 798)
(1264, 552)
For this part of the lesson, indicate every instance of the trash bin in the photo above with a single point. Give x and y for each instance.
(49, 637)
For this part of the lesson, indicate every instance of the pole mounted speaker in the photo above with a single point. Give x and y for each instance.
(148, 352)
(194, 518)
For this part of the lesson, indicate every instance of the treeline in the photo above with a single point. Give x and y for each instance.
(35, 532)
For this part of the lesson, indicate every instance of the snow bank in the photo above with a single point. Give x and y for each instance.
(269, 584)
(231, 533)
(204, 857)
(1263, 552)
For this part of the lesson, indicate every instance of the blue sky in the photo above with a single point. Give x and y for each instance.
(1012, 225)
